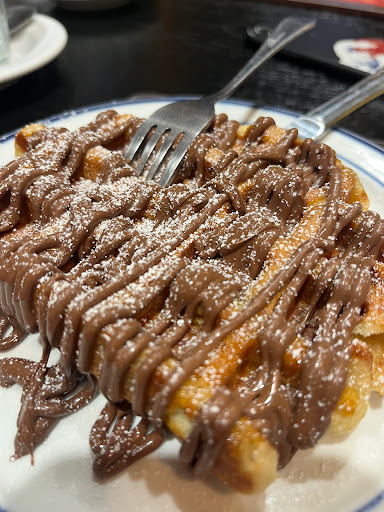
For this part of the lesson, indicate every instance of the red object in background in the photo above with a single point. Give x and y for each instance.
(346, 46)
(376, 45)
(366, 7)
(365, 54)
(377, 3)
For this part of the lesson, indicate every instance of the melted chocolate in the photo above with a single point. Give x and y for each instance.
(126, 279)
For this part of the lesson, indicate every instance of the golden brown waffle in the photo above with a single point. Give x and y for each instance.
(221, 307)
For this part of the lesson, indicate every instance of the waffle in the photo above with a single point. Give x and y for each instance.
(219, 308)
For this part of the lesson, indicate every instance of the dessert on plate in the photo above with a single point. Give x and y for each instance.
(240, 308)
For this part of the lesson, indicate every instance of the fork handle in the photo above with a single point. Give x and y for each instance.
(350, 100)
(285, 32)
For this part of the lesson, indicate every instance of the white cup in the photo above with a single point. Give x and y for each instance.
(4, 33)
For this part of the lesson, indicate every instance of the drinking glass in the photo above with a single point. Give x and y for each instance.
(4, 33)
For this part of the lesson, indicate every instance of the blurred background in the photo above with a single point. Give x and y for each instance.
(194, 47)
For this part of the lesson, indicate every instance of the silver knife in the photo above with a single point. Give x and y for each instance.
(316, 122)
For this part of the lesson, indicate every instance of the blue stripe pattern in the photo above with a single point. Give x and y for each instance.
(379, 498)
(376, 500)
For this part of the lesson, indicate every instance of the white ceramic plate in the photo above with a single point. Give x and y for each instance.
(339, 475)
(37, 44)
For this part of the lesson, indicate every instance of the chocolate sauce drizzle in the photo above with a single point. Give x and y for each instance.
(141, 285)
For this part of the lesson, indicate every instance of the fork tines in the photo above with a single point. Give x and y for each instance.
(170, 137)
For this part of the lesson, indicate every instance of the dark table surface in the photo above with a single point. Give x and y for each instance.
(181, 47)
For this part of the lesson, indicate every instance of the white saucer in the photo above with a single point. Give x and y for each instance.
(36, 45)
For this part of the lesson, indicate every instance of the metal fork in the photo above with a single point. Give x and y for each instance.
(190, 117)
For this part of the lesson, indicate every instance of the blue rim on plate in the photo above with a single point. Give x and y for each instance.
(379, 497)
(158, 98)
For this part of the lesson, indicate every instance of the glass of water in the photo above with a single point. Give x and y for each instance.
(4, 33)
